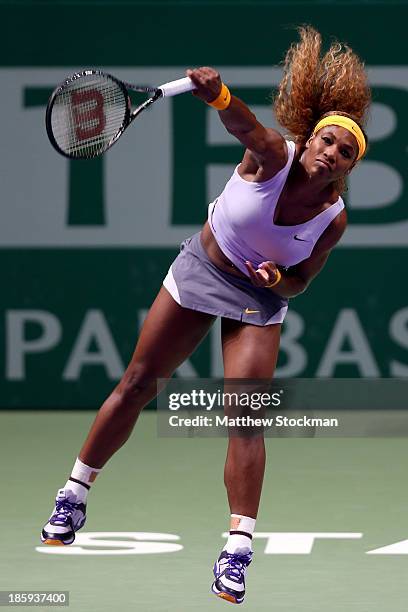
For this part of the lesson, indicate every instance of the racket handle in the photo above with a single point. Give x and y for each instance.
(173, 88)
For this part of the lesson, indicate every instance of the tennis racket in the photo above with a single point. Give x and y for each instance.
(89, 111)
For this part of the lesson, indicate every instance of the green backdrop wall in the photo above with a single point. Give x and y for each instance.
(84, 245)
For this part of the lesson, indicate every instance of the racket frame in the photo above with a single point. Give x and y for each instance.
(128, 117)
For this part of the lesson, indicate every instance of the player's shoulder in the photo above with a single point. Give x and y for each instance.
(276, 152)
(276, 143)
(340, 221)
(334, 230)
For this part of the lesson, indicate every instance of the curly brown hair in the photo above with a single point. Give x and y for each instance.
(314, 85)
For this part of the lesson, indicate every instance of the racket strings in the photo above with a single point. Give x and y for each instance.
(87, 115)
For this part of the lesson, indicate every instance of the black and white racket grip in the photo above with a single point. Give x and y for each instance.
(173, 88)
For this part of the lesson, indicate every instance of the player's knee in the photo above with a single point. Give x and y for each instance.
(249, 449)
(139, 381)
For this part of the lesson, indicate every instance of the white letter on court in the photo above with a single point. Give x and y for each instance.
(399, 548)
(299, 543)
(124, 543)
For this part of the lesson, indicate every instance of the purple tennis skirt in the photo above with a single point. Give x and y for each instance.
(195, 282)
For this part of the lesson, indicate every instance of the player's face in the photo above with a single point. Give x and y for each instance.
(331, 152)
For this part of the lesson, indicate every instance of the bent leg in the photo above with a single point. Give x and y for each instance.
(250, 352)
(169, 335)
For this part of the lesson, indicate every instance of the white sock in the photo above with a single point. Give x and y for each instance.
(240, 536)
(81, 479)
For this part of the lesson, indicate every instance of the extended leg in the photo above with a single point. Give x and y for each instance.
(169, 335)
(250, 352)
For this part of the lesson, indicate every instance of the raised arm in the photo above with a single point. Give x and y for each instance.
(267, 146)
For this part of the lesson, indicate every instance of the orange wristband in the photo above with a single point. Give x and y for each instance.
(276, 281)
(222, 101)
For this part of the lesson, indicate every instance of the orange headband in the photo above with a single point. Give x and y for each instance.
(348, 124)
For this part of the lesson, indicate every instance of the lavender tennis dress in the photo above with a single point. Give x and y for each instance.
(242, 222)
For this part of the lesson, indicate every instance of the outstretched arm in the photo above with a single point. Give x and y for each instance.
(266, 144)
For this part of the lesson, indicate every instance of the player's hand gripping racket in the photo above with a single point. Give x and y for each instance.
(88, 112)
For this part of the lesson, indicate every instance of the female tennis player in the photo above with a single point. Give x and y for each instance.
(267, 236)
